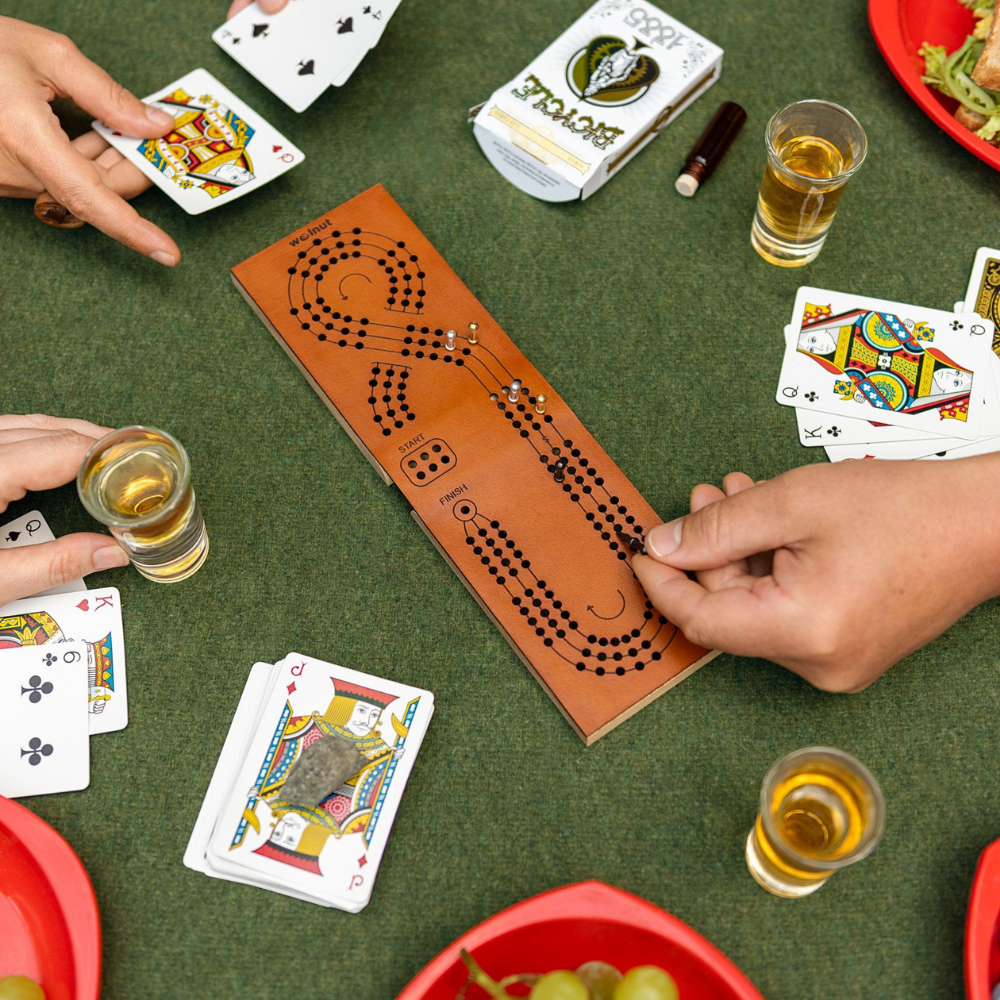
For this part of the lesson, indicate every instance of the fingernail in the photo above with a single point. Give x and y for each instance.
(159, 117)
(164, 258)
(109, 557)
(664, 538)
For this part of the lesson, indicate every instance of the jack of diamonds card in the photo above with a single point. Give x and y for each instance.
(331, 850)
(93, 616)
(866, 358)
(218, 150)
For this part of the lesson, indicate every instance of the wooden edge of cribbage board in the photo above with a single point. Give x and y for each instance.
(356, 362)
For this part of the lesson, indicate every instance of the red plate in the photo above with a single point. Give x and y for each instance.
(49, 925)
(566, 927)
(900, 27)
(982, 924)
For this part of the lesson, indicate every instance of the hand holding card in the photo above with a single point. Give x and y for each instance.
(219, 149)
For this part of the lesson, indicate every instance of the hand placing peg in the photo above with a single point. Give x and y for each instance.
(473, 333)
(514, 392)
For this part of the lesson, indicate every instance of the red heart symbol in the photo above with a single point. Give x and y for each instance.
(277, 149)
(84, 605)
(116, 133)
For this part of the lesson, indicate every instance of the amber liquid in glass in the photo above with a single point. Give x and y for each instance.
(795, 210)
(131, 481)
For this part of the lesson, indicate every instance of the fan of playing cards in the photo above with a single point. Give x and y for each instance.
(63, 677)
(871, 378)
(312, 45)
(309, 780)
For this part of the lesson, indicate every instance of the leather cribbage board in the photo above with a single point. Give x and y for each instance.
(527, 507)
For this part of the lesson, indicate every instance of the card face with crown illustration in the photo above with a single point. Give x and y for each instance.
(873, 359)
(330, 851)
(94, 616)
(219, 149)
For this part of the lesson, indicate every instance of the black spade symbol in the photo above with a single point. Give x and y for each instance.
(13, 536)
(307, 68)
(345, 26)
(260, 29)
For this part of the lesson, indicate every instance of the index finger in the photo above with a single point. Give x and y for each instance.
(42, 421)
(75, 182)
(40, 463)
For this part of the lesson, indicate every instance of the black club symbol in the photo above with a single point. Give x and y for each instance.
(955, 325)
(36, 689)
(835, 431)
(811, 396)
(36, 751)
(48, 659)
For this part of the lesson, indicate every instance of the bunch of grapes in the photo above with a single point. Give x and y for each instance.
(591, 981)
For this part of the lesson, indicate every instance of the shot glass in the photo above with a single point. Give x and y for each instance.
(820, 809)
(813, 149)
(137, 481)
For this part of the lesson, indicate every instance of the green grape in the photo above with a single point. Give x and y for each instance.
(600, 978)
(646, 982)
(561, 985)
(20, 988)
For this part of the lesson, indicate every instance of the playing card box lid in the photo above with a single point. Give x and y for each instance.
(604, 89)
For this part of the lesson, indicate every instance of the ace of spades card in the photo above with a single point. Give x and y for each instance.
(331, 851)
(299, 52)
(44, 739)
(219, 149)
(93, 616)
(872, 359)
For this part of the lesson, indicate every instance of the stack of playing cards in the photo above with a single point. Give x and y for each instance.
(870, 378)
(62, 677)
(219, 149)
(277, 813)
(309, 46)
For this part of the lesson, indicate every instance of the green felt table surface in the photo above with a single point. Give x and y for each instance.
(661, 327)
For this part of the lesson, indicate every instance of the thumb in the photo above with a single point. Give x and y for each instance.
(74, 75)
(723, 532)
(31, 568)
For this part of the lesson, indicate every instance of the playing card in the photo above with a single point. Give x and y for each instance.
(380, 13)
(329, 852)
(219, 150)
(44, 741)
(93, 616)
(864, 358)
(983, 293)
(298, 53)
(30, 529)
(230, 758)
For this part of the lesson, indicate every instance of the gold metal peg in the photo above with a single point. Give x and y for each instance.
(473, 333)
(540, 402)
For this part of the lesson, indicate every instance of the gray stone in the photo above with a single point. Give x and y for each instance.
(320, 770)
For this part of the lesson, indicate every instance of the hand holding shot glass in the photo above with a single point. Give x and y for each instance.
(813, 149)
(137, 482)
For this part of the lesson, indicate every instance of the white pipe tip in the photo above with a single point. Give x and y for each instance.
(686, 185)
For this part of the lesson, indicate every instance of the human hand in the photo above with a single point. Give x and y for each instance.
(834, 571)
(36, 155)
(267, 6)
(38, 453)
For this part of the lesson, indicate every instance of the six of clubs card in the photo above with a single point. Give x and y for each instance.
(218, 150)
(44, 738)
